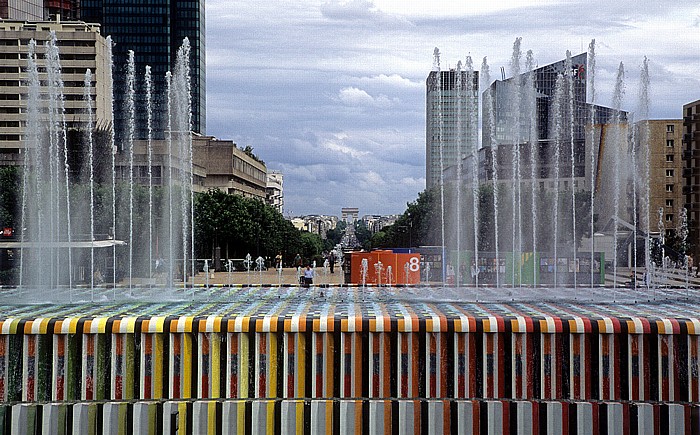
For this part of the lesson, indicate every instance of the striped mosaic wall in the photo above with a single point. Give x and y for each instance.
(438, 358)
(256, 359)
(349, 416)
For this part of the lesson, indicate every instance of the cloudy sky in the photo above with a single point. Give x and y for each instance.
(332, 93)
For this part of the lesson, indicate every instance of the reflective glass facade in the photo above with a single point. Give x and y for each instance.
(154, 30)
(451, 118)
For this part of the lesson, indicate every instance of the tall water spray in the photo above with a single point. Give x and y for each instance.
(31, 157)
(441, 141)
(90, 125)
(169, 138)
(643, 140)
(472, 116)
(571, 120)
(131, 127)
(516, 178)
(149, 153)
(60, 182)
(46, 202)
(559, 99)
(113, 152)
(460, 138)
(619, 139)
(530, 94)
(591, 99)
(489, 124)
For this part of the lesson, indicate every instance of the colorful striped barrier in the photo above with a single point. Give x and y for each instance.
(363, 416)
(242, 362)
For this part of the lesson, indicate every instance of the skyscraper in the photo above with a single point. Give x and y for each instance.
(451, 116)
(83, 48)
(25, 10)
(154, 30)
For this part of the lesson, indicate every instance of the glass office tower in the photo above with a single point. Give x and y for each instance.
(154, 30)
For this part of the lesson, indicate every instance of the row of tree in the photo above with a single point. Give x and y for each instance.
(239, 226)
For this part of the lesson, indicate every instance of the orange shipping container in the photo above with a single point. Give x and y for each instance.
(405, 268)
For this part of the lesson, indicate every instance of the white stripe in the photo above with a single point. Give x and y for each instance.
(6, 325)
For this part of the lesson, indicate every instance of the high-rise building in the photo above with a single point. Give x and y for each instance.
(511, 129)
(451, 117)
(22, 10)
(66, 9)
(154, 30)
(81, 47)
(691, 173)
(665, 171)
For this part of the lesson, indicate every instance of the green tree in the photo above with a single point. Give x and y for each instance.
(10, 196)
(241, 226)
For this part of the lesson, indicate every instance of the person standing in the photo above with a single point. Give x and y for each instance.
(278, 260)
(308, 276)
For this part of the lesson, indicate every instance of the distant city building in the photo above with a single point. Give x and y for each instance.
(154, 30)
(275, 190)
(375, 223)
(451, 121)
(22, 10)
(82, 47)
(691, 173)
(317, 224)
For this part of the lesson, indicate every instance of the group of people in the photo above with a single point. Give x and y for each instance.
(306, 277)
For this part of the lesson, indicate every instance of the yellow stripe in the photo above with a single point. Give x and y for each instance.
(128, 387)
(243, 361)
(215, 358)
(328, 370)
(186, 366)
(240, 417)
(300, 417)
(270, 418)
(152, 412)
(157, 359)
(211, 421)
(272, 360)
(182, 414)
(300, 377)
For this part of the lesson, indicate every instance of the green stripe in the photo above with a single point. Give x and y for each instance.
(102, 361)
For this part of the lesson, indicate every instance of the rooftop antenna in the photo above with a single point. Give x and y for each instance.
(503, 73)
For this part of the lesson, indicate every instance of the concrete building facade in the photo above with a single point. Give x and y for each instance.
(81, 47)
(22, 10)
(217, 164)
(691, 173)
(665, 172)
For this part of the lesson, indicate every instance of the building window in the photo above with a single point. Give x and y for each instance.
(669, 188)
(669, 142)
(669, 128)
(669, 172)
(669, 157)
(669, 203)
(669, 217)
